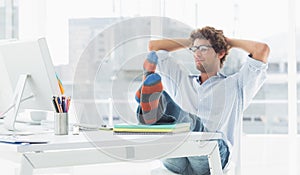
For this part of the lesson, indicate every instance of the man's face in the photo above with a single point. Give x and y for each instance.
(206, 59)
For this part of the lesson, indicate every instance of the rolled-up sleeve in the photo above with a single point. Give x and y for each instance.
(162, 55)
(251, 77)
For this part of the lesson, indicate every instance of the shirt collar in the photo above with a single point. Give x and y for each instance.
(219, 74)
(197, 76)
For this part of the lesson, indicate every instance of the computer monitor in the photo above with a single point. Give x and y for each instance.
(31, 73)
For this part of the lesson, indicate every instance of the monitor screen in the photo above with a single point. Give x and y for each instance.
(32, 59)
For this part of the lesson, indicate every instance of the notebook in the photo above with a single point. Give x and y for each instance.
(151, 129)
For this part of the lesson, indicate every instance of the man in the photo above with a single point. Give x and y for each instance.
(211, 101)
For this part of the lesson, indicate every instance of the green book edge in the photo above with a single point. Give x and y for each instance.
(140, 126)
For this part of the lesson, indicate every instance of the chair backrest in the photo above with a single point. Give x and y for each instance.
(235, 164)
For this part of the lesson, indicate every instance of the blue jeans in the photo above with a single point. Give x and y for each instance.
(170, 112)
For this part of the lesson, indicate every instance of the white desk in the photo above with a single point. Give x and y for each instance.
(95, 147)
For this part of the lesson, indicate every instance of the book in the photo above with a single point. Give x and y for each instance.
(151, 129)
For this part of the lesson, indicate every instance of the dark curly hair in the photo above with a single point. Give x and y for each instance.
(215, 37)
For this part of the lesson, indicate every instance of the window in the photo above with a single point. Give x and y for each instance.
(268, 112)
(297, 54)
(9, 19)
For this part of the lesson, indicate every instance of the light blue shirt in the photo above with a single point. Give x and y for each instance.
(221, 100)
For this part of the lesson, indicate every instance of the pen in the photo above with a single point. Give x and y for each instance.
(63, 103)
(59, 104)
(54, 104)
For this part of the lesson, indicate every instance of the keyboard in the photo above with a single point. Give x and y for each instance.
(22, 140)
(23, 130)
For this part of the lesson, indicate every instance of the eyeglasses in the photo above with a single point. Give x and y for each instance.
(203, 48)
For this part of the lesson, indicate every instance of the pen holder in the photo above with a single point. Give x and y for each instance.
(61, 124)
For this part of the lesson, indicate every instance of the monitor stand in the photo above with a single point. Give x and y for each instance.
(10, 119)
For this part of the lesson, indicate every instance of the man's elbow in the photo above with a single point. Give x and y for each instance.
(152, 46)
(263, 51)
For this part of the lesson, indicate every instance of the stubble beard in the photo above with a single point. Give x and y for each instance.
(201, 68)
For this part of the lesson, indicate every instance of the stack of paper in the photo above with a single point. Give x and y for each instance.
(151, 129)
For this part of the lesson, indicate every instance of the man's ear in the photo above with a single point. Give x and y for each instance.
(221, 54)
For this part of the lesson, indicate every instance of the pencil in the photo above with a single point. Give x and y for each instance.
(68, 103)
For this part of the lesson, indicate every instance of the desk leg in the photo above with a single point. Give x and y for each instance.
(215, 161)
(26, 166)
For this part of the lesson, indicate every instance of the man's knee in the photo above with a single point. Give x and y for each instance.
(176, 165)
